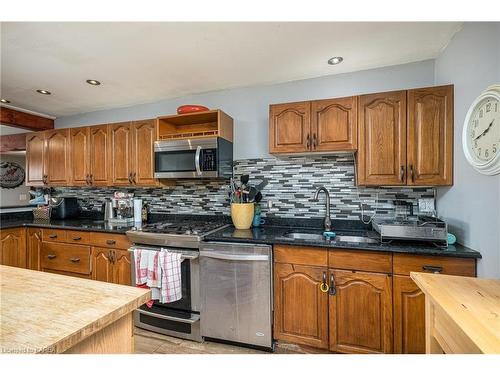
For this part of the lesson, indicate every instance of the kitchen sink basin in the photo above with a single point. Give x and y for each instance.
(319, 237)
(304, 236)
(355, 239)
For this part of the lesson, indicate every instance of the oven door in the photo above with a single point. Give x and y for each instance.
(180, 318)
(186, 158)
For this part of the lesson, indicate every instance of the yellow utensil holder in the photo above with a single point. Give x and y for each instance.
(242, 215)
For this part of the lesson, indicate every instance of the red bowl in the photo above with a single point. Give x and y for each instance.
(189, 108)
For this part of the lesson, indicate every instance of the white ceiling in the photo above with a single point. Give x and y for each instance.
(144, 62)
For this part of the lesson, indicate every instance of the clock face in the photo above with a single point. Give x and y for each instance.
(483, 130)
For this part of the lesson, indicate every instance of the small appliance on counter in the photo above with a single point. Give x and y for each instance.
(64, 208)
(122, 209)
(414, 228)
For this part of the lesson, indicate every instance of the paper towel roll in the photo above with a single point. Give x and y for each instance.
(137, 210)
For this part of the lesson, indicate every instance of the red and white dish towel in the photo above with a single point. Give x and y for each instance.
(159, 271)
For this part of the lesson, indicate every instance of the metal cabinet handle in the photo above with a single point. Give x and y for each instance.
(402, 173)
(308, 141)
(433, 269)
(52, 235)
(51, 256)
(130, 177)
(412, 174)
(314, 141)
(133, 178)
(44, 179)
(110, 242)
(77, 238)
(74, 260)
(324, 286)
(91, 177)
(111, 256)
(333, 290)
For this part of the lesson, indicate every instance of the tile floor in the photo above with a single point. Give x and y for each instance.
(147, 342)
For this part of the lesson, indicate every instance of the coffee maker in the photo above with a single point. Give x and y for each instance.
(119, 210)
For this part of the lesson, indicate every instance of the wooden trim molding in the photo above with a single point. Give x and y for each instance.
(23, 120)
(13, 142)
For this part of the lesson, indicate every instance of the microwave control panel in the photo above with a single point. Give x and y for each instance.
(208, 160)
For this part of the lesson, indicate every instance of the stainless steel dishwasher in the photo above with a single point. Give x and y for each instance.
(236, 293)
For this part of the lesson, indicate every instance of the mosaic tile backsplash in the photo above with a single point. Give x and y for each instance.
(291, 183)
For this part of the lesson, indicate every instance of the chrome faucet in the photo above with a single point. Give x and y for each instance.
(328, 223)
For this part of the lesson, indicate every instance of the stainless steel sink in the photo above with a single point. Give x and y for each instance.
(304, 236)
(355, 239)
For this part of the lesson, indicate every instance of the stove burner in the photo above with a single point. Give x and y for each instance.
(194, 228)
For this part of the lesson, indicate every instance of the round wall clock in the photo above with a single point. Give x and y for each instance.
(481, 133)
(11, 175)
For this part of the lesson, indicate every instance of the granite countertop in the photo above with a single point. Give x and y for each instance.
(84, 224)
(273, 235)
(33, 323)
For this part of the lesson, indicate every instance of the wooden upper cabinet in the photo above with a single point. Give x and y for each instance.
(430, 136)
(143, 137)
(290, 127)
(80, 156)
(409, 317)
(57, 157)
(13, 247)
(99, 155)
(300, 307)
(121, 153)
(382, 139)
(35, 157)
(334, 124)
(361, 312)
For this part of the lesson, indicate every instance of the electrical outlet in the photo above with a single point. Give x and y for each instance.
(22, 197)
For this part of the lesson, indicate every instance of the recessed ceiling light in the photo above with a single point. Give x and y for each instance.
(335, 60)
(93, 82)
(44, 92)
(4, 101)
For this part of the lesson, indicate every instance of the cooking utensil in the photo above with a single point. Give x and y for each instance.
(258, 197)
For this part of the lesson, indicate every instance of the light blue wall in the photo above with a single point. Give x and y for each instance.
(472, 205)
(249, 106)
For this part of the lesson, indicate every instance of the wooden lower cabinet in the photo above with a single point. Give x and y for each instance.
(112, 266)
(13, 247)
(409, 316)
(301, 308)
(33, 247)
(360, 312)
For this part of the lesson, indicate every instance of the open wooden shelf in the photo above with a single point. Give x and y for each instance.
(213, 123)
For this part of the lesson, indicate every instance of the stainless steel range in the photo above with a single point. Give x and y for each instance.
(180, 318)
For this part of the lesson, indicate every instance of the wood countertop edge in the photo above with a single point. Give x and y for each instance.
(69, 341)
(477, 341)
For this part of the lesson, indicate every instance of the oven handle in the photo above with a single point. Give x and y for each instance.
(191, 256)
(197, 160)
(194, 318)
(215, 255)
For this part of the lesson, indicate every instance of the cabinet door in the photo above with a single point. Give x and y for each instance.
(13, 247)
(143, 137)
(290, 127)
(334, 124)
(80, 156)
(121, 153)
(361, 312)
(35, 157)
(409, 317)
(300, 307)
(99, 155)
(121, 267)
(34, 246)
(57, 157)
(102, 267)
(430, 136)
(382, 139)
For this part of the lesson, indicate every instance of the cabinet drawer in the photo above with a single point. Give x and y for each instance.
(65, 257)
(54, 235)
(115, 241)
(404, 264)
(78, 237)
(360, 260)
(309, 256)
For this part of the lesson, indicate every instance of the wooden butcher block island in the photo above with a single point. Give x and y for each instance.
(47, 313)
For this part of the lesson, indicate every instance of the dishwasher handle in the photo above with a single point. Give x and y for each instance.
(225, 256)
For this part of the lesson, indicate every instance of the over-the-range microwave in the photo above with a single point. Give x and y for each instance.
(194, 158)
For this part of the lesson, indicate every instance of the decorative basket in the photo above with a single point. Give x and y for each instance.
(41, 213)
